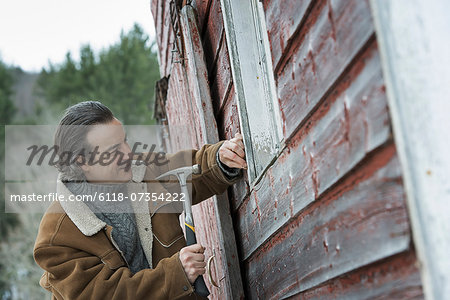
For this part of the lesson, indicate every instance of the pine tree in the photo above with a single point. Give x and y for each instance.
(121, 77)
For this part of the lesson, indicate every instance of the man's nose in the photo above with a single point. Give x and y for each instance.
(126, 150)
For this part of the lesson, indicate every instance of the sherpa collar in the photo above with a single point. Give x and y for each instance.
(89, 224)
(80, 214)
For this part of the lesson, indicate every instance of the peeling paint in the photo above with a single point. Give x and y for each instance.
(330, 18)
(338, 146)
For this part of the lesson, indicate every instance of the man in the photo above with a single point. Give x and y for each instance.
(87, 249)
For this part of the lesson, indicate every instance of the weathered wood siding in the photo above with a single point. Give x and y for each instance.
(185, 109)
(328, 218)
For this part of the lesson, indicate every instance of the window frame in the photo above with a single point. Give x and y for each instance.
(250, 54)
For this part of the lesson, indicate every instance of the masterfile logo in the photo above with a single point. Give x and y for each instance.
(39, 156)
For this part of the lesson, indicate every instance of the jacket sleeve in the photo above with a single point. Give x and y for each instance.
(211, 181)
(75, 274)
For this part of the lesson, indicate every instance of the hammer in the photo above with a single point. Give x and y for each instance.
(182, 174)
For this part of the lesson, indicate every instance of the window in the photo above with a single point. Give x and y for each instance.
(252, 71)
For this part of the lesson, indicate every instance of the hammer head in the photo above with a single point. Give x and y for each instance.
(182, 173)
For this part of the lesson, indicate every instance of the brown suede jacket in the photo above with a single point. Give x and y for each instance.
(82, 261)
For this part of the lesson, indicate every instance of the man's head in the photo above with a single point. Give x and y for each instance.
(96, 143)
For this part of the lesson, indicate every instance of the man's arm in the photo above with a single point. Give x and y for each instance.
(220, 165)
(75, 274)
(212, 180)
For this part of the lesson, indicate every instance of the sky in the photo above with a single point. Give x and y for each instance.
(34, 32)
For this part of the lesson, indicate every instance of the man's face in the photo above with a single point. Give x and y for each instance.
(110, 139)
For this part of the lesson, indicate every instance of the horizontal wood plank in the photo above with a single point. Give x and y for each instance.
(397, 277)
(228, 119)
(202, 9)
(213, 33)
(361, 221)
(282, 20)
(221, 78)
(328, 45)
(352, 122)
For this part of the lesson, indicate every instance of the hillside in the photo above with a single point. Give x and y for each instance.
(24, 98)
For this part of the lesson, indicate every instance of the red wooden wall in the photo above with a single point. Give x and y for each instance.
(329, 218)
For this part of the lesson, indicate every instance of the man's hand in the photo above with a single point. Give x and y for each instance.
(193, 261)
(232, 153)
